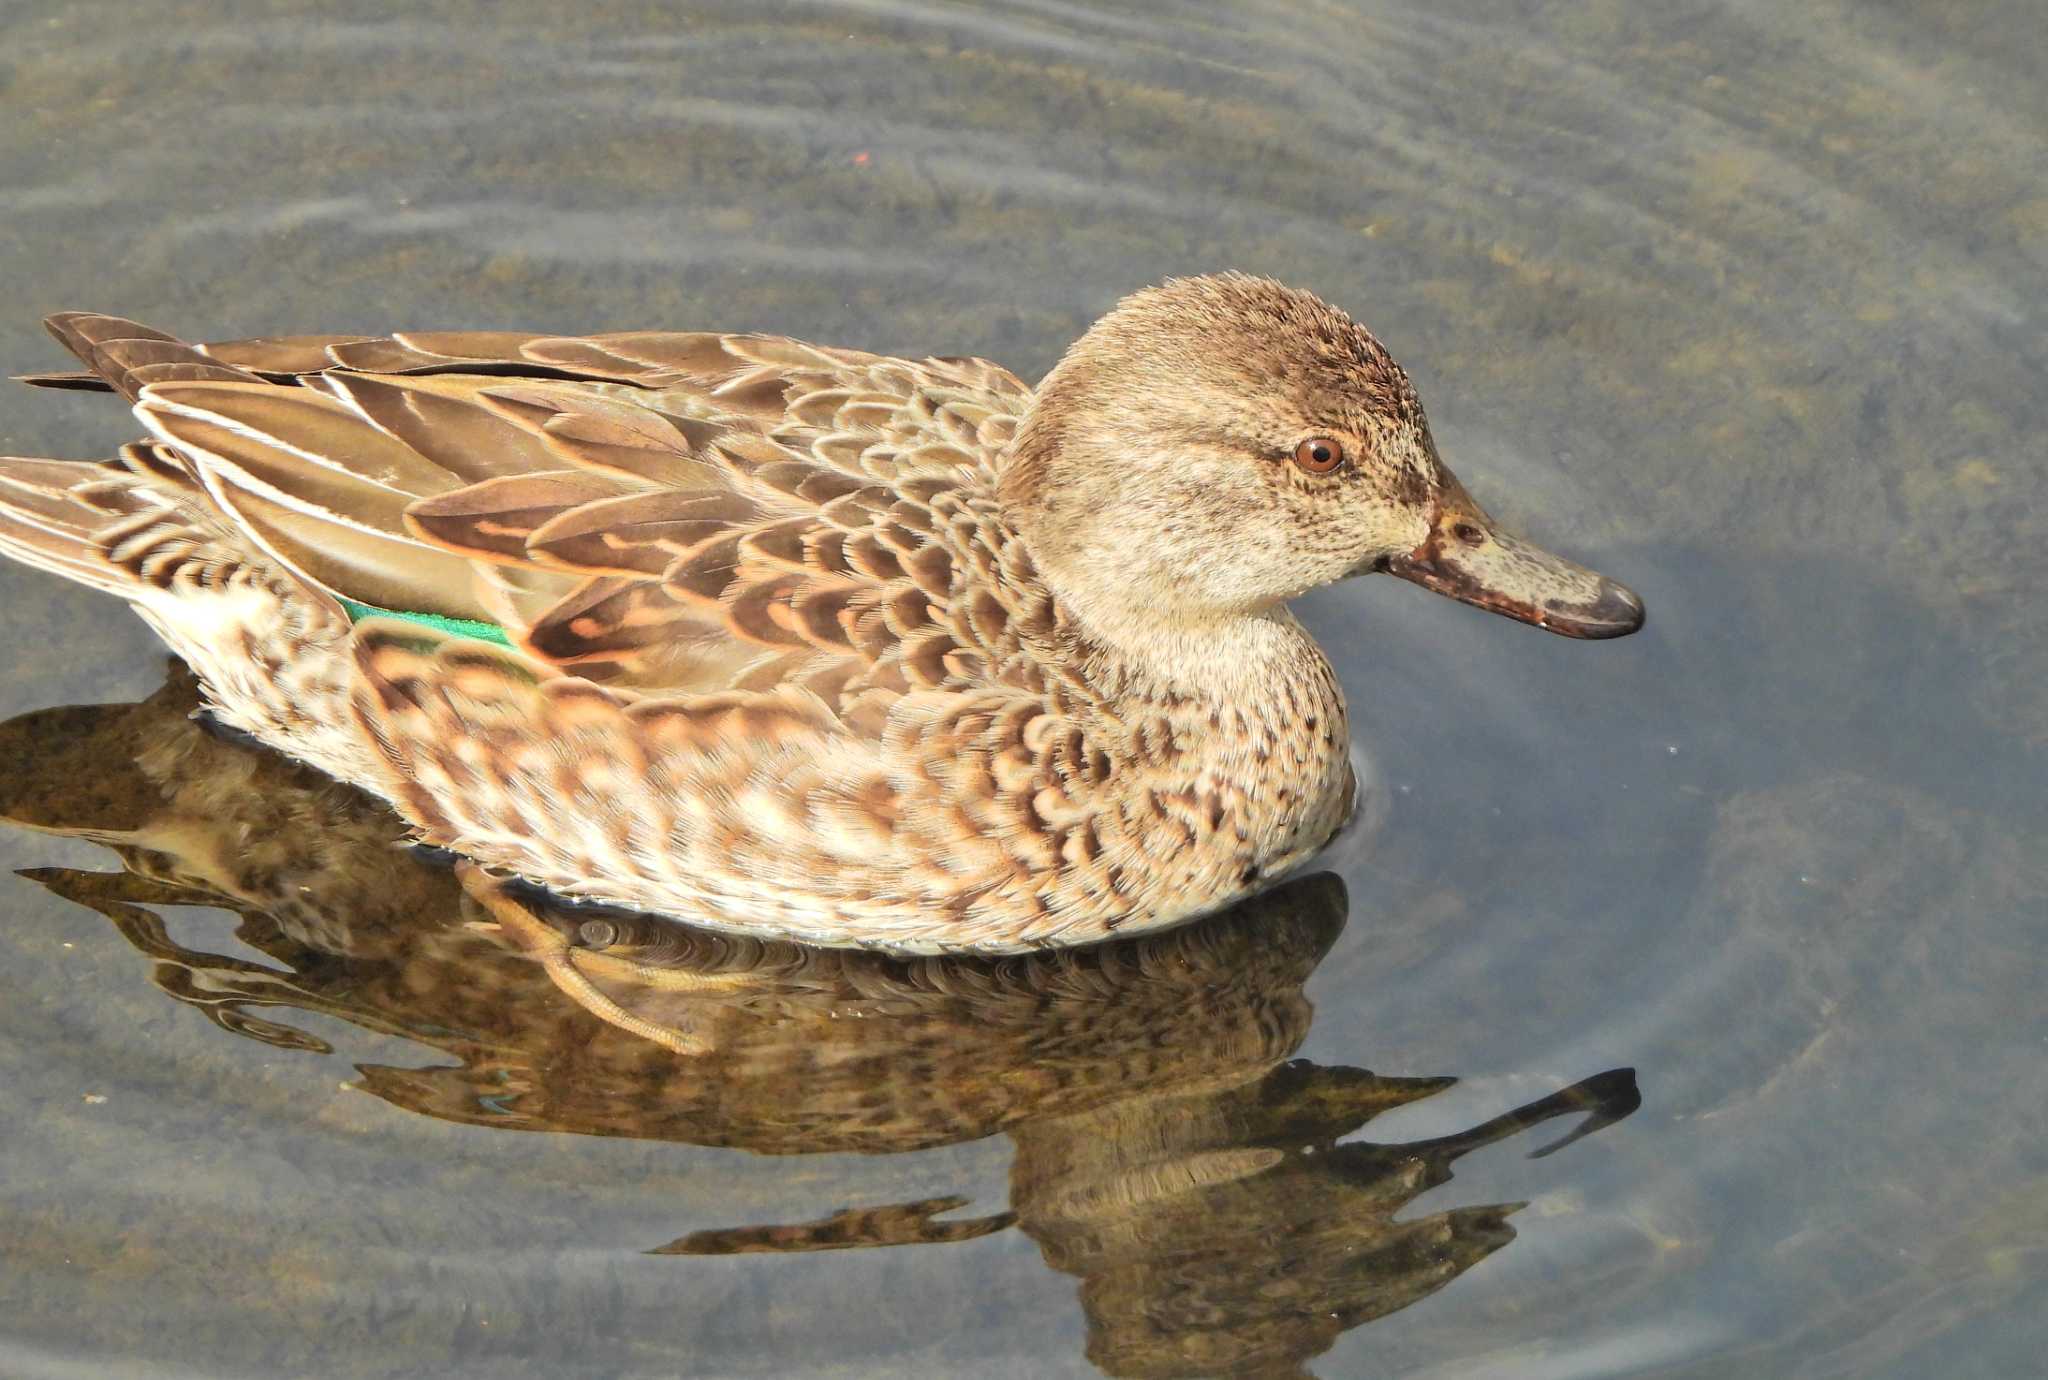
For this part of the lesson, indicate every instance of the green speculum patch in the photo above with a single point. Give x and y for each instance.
(459, 627)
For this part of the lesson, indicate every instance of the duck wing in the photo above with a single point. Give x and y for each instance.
(669, 513)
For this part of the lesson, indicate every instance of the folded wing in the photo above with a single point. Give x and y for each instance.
(669, 513)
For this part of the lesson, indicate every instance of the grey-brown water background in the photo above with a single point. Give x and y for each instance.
(1740, 303)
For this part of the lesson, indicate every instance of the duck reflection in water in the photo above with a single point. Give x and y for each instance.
(1169, 1151)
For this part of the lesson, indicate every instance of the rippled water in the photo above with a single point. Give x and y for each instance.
(1741, 304)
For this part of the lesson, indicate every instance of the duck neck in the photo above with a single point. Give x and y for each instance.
(1244, 712)
(1131, 647)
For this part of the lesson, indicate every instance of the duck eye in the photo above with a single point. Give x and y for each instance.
(1319, 454)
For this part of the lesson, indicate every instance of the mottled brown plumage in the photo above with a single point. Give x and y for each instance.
(801, 641)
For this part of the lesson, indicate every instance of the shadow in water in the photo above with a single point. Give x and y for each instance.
(1169, 1152)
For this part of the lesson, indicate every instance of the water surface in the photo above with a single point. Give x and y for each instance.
(1742, 307)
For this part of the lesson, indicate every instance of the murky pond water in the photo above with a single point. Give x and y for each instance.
(1740, 303)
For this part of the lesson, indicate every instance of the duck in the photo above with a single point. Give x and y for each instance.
(789, 640)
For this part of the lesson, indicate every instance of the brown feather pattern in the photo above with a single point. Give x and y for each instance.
(780, 661)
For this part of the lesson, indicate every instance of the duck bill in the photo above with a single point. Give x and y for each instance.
(1468, 559)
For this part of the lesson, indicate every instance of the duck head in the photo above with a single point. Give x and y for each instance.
(1217, 445)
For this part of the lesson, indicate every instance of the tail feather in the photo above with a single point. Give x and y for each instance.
(242, 470)
(118, 525)
(78, 380)
(128, 356)
(46, 523)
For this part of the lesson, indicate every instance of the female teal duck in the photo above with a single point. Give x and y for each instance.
(789, 640)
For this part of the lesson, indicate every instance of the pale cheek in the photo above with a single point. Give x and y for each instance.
(1213, 501)
(1226, 553)
(1373, 528)
(1397, 534)
(1330, 544)
(1324, 528)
